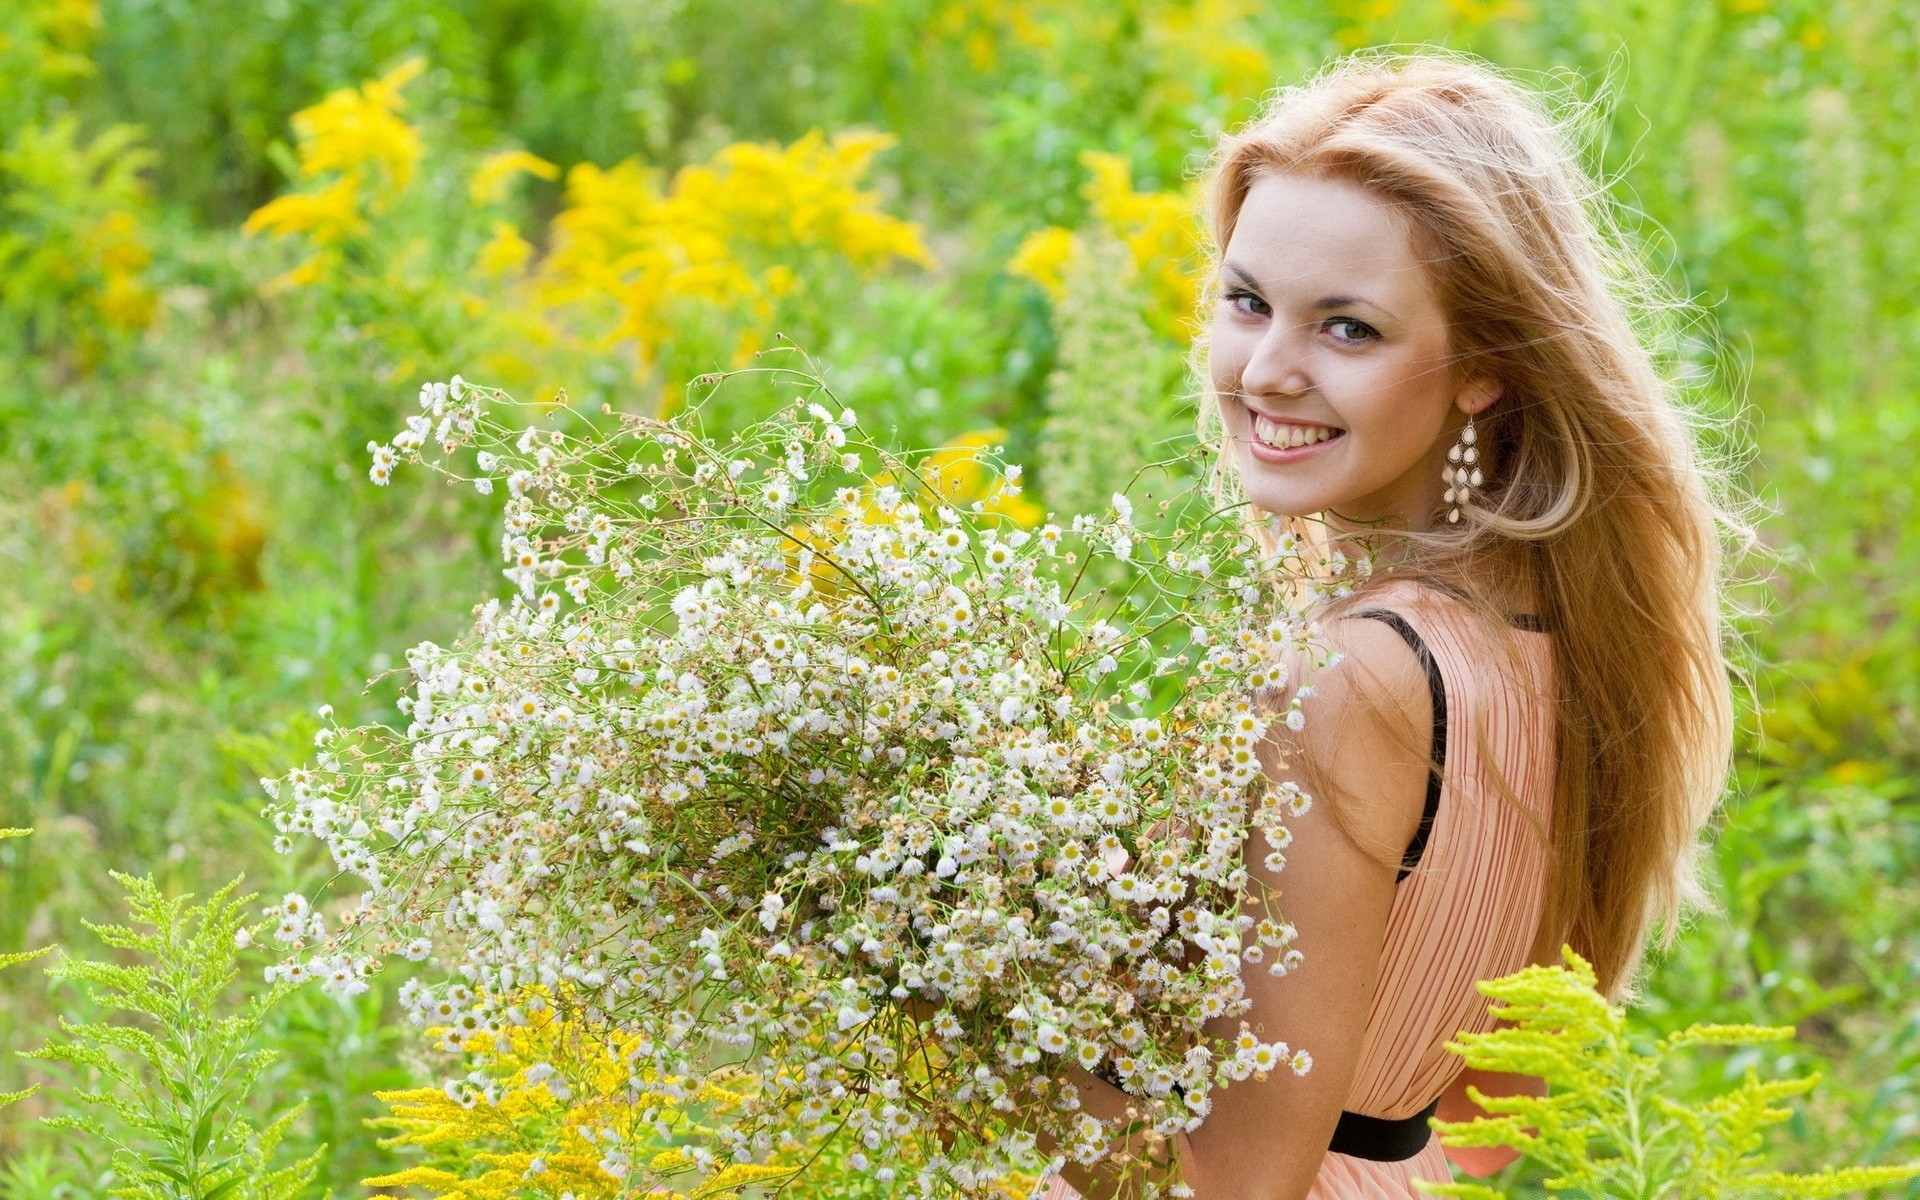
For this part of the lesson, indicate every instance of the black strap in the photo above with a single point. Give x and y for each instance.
(1437, 692)
(1378, 1139)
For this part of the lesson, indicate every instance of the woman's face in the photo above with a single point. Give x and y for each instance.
(1329, 356)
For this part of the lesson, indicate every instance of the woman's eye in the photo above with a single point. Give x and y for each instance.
(1234, 297)
(1356, 331)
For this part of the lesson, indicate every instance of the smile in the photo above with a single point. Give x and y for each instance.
(1286, 442)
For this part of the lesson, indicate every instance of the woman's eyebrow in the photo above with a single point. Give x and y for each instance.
(1322, 304)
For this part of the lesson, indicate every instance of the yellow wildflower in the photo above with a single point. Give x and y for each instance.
(355, 133)
(955, 470)
(1482, 11)
(805, 195)
(627, 250)
(1213, 35)
(316, 269)
(489, 181)
(505, 253)
(981, 27)
(428, 1177)
(124, 300)
(354, 128)
(739, 1175)
(324, 217)
(1162, 229)
(1042, 257)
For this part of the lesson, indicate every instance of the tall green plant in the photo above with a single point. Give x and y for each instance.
(171, 1085)
(1109, 402)
(14, 959)
(1609, 1126)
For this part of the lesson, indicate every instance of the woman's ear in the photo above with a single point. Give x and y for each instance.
(1477, 394)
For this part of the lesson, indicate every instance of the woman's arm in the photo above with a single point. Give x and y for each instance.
(1264, 1140)
(1457, 1106)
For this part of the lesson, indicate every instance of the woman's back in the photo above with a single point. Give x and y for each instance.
(1470, 908)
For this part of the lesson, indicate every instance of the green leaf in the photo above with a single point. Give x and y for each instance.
(202, 1133)
(8, 960)
(221, 1189)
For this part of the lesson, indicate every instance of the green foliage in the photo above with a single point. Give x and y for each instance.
(1611, 1124)
(1108, 407)
(14, 959)
(170, 1087)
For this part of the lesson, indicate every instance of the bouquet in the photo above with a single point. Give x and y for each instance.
(779, 762)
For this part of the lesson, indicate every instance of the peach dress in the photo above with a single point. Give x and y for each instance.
(1469, 909)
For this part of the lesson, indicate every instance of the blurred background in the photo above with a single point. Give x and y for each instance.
(236, 237)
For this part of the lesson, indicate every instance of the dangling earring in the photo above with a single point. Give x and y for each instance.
(1462, 470)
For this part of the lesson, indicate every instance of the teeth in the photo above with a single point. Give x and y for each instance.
(1286, 437)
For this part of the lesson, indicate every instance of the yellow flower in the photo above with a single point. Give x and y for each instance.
(1042, 257)
(806, 195)
(1018, 509)
(955, 470)
(427, 1177)
(354, 133)
(736, 1176)
(1481, 11)
(505, 253)
(316, 269)
(1161, 231)
(730, 234)
(124, 300)
(325, 217)
(354, 128)
(490, 179)
(1151, 222)
(1213, 35)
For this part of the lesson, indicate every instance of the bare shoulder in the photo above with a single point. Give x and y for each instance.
(1364, 733)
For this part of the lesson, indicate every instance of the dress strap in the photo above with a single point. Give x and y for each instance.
(1437, 693)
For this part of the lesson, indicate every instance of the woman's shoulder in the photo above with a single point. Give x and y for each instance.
(1460, 645)
(1442, 609)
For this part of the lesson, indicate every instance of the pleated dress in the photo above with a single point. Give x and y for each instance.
(1469, 899)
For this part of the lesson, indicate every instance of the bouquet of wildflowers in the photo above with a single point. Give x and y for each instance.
(779, 763)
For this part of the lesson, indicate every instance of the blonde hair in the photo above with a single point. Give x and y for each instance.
(1599, 490)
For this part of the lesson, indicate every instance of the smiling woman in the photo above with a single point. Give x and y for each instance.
(1330, 354)
(1423, 349)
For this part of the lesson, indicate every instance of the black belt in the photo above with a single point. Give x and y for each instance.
(1378, 1139)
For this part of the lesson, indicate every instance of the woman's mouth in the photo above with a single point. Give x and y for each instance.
(1288, 441)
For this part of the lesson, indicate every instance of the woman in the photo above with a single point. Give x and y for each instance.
(1421, 337)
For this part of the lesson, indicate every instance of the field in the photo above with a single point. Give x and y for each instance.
(236, 238)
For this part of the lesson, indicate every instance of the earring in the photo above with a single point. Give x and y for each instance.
(1462, 470)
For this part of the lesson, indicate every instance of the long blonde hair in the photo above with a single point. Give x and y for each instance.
(1599, 489)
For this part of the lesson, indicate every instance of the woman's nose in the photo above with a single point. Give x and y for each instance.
(1277, 366)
